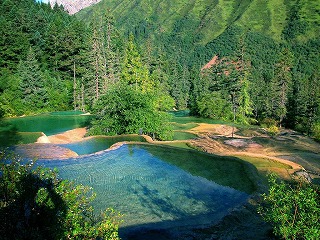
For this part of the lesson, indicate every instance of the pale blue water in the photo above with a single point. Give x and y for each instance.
(147, 190)
(100, 143)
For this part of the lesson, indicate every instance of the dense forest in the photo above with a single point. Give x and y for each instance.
(129, 72)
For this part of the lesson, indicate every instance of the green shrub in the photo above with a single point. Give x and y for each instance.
(293, 209)
(35, 204)
(268, 122)
(316, 131)
(273, 130)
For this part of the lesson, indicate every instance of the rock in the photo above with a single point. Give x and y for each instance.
(43, 139)
(44, 151)
(74, 6)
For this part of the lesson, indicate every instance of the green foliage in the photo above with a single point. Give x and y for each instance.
(37, 44)
(213, 105)
(273, 130)
(208, 19)
(293, 209)
(134, 72)
(125, 110)
(316, 131)
(268, 122)
(281, 84)
(34, 94)
(274, 46)
(35, 204)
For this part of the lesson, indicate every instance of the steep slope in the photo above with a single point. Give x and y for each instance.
(209, 19)
(75, 5)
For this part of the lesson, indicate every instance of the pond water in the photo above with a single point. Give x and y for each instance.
(100, 143)
(50, 123)
(154, 187)
(150, 191)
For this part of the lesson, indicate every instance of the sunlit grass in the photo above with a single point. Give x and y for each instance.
(177, 144)
(186, 126)
(180, 135)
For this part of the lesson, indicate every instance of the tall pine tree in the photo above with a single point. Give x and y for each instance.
(34, 94)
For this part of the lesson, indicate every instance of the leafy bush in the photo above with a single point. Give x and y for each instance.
(35, 204)
(273, 130)
(316, 131)
(293, 209)
(268, 122)
(213, 105)
(124, 110)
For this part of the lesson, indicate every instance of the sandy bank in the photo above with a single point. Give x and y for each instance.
(70, 136)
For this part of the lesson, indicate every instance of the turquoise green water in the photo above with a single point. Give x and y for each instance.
(100, 143)
(51, 123)
(151, 191)
(179, 135)
(154, 187)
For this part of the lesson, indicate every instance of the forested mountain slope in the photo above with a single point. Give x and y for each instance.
(275, 44)
(268, 52)
(208, 19)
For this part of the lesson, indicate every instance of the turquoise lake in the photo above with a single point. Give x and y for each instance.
(155, 187)
(50, 123)
(150, 192)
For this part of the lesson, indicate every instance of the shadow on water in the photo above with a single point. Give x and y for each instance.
(151, 199)
(9, 135)
(212, 167)
(184, 228)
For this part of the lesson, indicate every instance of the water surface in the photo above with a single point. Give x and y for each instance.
(100, 143)
(49, 123)
(149, 190)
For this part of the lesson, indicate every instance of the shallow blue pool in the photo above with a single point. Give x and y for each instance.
(147, 190)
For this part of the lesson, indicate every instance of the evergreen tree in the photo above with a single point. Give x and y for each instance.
(134, 72)
(34, 94)
(281, 85)
(103, 59)
(308, 104)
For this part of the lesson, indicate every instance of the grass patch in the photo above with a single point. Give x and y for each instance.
(177, 144)
(264, 162)
(181, 127)
(246, 131)
(266, 165)
(180, 135)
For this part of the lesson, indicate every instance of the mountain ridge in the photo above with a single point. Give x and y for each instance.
(211, 18)
(74, 6)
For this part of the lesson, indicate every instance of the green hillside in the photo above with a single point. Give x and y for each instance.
(50, 60)
(276, 42)
(208, 19)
